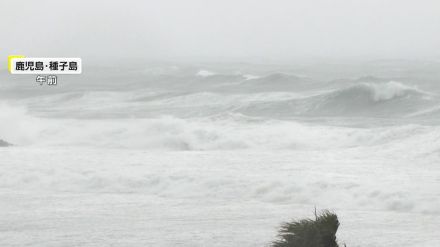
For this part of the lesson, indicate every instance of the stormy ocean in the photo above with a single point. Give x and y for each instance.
(219, 154)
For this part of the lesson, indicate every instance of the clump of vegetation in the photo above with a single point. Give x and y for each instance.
(320, 232)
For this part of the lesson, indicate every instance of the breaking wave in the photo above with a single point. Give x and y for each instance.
(391, 99)
(377, 92)
(210, 120)
(228, 131)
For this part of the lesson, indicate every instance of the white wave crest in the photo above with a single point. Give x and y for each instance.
(205, 73)
(389, 90)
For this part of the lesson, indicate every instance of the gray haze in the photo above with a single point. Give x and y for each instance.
(226, 29)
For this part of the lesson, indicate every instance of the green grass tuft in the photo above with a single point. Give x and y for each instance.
(320, 232)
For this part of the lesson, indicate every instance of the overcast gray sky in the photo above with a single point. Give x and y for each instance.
(234, 29)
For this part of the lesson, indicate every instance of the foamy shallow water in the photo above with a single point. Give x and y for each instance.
(101, 197)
